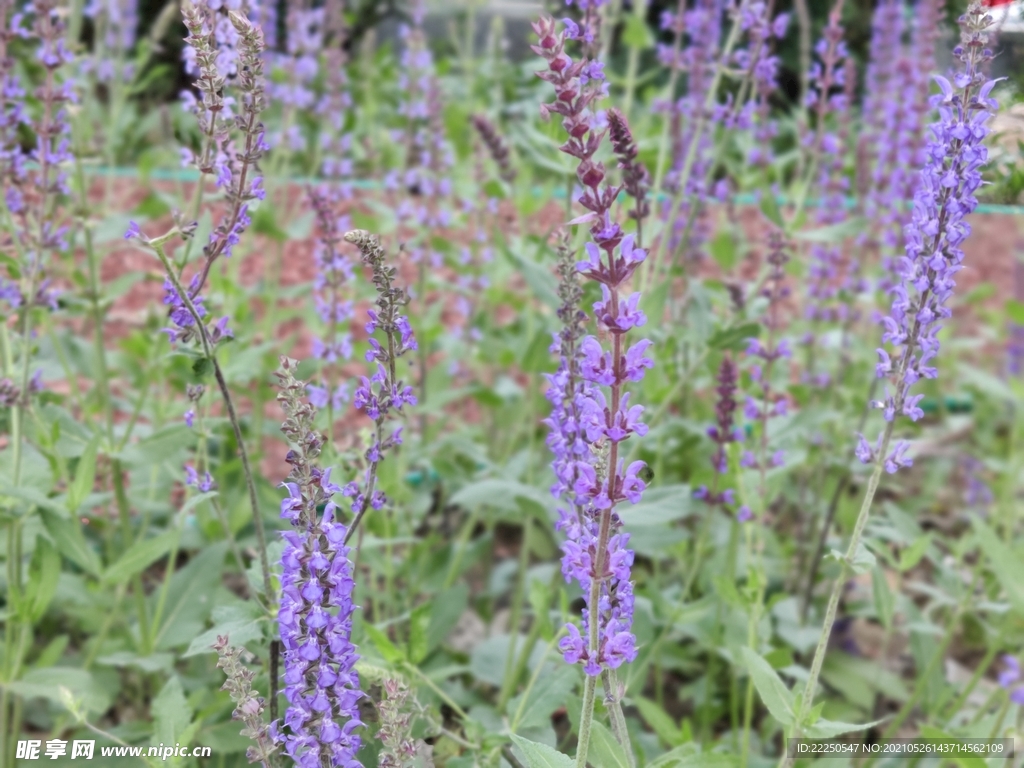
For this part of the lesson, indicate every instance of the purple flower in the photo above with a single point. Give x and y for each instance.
(133, 231)
(587, 425)
(205, 483)
(316, 608)
(937, 229)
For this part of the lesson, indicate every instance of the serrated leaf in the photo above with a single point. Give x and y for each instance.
(540, 280)
(196, 500)
(171, 713)
(385, 647)
(445, 612)
(660, 721)
(863, 560)
(769, 685)
(139, 557)
(85, 476)
(202, 368)
(636, 34)
(533, 708)
(419, 624)
(43, 574)
(47, 683)
(605, 751)
(884, 602)
(911, 556)
(734, 338)
(70, 541)
(829, 729)
(541, 755)
(501, 494)
(689, 756)
(1007, 567)
(238, 632)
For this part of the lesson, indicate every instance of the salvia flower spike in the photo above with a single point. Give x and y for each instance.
(315, 613)
(382, 395)
(596, 553)
(927, 271)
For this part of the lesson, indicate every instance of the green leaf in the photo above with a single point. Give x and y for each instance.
(986, 383)
(773, 691)
(70, 541)
(828, 729)
(931, 732)
(723, 249)
(300, 227)
(53, 651)
(139, 557)
(863, 559)
(156, 662)
(834, 233)
(541, 755)
(238, 633)
(911, 556)
(689, 756)
(85, 476)
(734, 338)
(196, 500)
(770, 208)
(884, 602)
(385, 647)
(533, 708)
(500, 494)
(43, 574)
(1015, 311)
(419, 624)
(660, 721)
(182, 610)
(540, 280)
(605, 751)
(1006, 565)
(636, 34)
(445, 611)
(47, 683)
(202, 367)
(171, 713)
(264, 222)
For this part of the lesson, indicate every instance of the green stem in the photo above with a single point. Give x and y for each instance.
(979, 673)
(618, 720)
(586, 720)
(261, 538)
(807, 700)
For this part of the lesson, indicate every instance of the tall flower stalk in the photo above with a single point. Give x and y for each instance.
(383, 395)
(34, 233)
(230, 153)
(315, 615)
(944, 197)
(596, 552)
(333, 272)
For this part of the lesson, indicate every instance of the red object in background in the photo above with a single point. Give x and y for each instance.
(995, 3)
